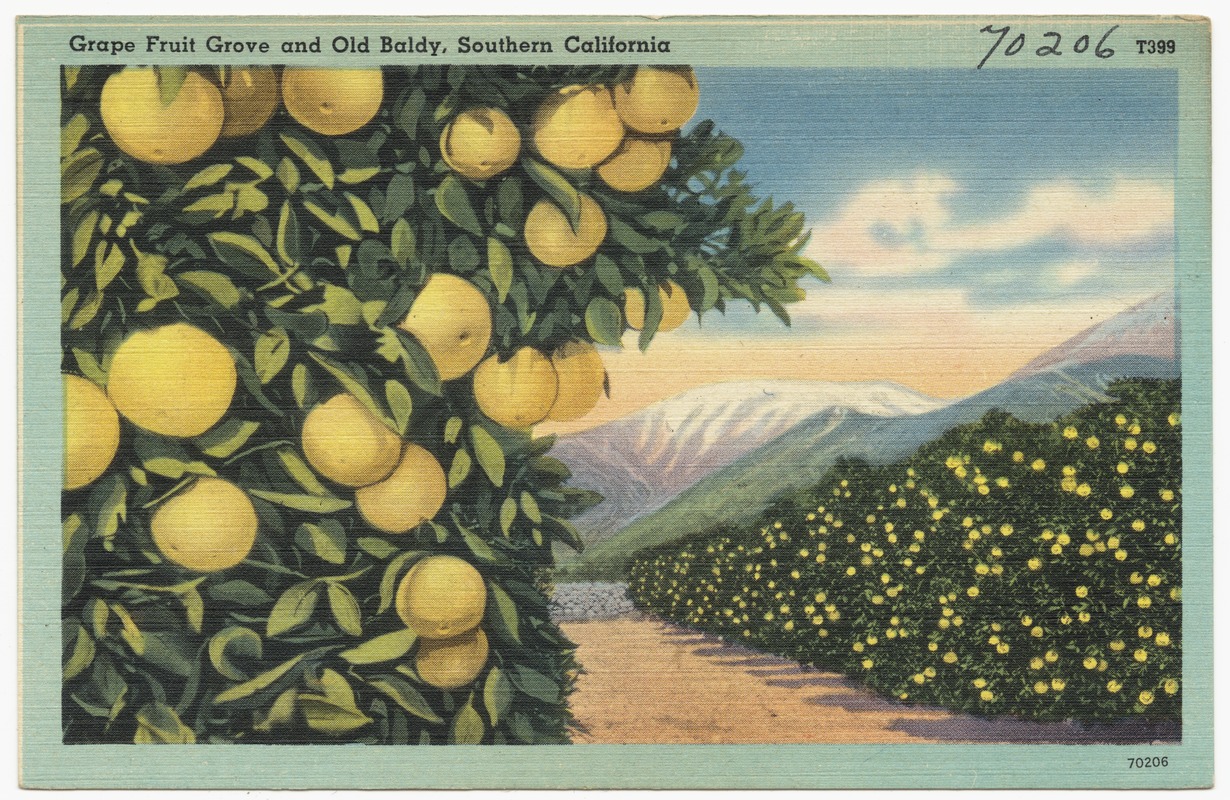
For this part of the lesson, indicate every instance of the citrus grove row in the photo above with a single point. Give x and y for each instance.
(1005, 569)
(309, 320)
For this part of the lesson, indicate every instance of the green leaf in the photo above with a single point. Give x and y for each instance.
(504, 612)
(280, 713)
(110, 498)
(72, 133)
(500, 264)
(129, 631)
(82, 657)
(151, 269)
(451, 429)
(460, 468)
(374, 547)
(300, 384)
(367, 219)
(420, 369)
(167, 458)
(345, 609)
(711, 289)
(327, 717)
(609, 275)
(557, 187)
(633, 240)
(325, 539)
(240, 593)
(400, 403)
(405, 695)
(388, 583)
(355, 175)
(262, 681)
(78, 174)
(604, 321)
(467, 727)
(303, 502)
(288, 175)
(508, 513)
(215, 204)
(334, 222)
(108, 261)
(223, 440)
(497, 695)
(530, 506)
(535, 684)
(86, 312)
(357, 389)
(402, 242)
(194, 608)
(477, 546)
(208, 176)
(300, 472)
(386, 647)
(289, 242)
(158, 723)
(230, 642)
(312, 158)
(170, 81)
(259, 168)
(293, 608)
(270, 355)
(214, 285)
(89, 366)
(490, 456)
(240, 250)
(454, 203)
(83, 236)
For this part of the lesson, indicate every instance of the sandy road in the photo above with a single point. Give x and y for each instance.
(647, 681)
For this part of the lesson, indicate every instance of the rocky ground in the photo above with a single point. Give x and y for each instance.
(578, 602)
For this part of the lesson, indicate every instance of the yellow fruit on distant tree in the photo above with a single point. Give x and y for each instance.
(657, 100)
(441, 597)
(412, 494)
(174, 380)
(517, 392)
(452, 663)
(581, 378)
(551, 239)
(91, 432)
(209, 526)
(249, 98)
(140, 125)
(577, 127)
(675, 308)
(451, 318)
(332, 102)
(480, 143)
(636, 165)
(347, 444)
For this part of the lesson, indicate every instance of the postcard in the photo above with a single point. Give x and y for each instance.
(601, 402)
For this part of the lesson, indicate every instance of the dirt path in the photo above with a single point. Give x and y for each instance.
(646, 681)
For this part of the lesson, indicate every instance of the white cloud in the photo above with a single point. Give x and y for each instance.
(907, 226)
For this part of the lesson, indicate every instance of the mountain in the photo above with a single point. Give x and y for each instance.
(1059, 381)
(641, 462)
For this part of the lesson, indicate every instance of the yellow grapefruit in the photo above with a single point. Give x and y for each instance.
(209, 526)
(581, 378)
(412, 494)
(451, 318)
(249, 98)
(675, 308)
(347, 444)
(332, 101)
(657, 100)
(517, 392)
(144, 128)
(175, 380)
(452, 663)
(91, 432)
(551, 239)
(636, 165)
(441, 596)
(480, 143)
(577, 127)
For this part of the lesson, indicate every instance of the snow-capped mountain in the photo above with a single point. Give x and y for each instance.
(642, 461)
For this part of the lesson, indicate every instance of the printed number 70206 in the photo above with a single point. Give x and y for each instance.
(1148, 761)
(1052, 44)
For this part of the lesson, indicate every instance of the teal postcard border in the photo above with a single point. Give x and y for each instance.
(899, 42)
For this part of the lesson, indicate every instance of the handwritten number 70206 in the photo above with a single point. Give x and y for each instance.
(1052, 44)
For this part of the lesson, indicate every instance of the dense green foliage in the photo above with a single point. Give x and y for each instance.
(300, 253)
(1006, 568)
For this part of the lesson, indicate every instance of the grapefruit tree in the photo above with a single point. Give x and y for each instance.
(327, 308)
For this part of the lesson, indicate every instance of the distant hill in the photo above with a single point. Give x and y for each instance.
(852, 424)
